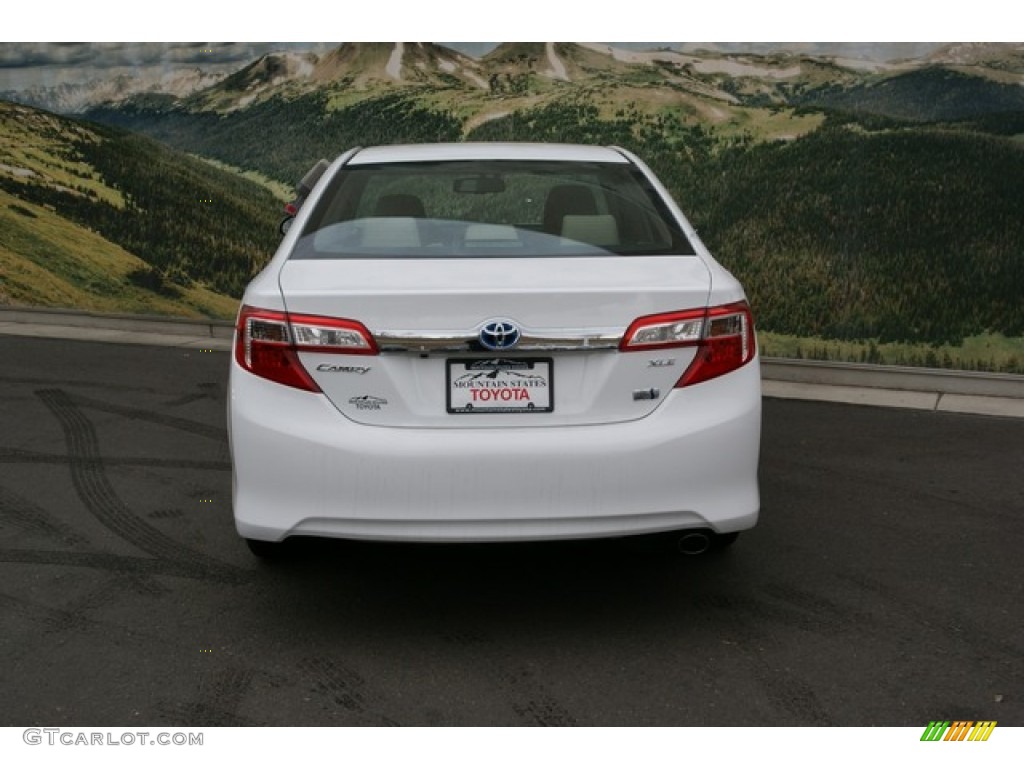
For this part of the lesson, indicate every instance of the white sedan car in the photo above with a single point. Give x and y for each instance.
(493, 342)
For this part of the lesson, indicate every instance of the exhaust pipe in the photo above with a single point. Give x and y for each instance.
(694, 543)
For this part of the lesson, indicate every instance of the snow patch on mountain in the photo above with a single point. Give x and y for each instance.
(742, 69)
(477, 80)
(639, 57)
(863, 65)
(972, 53)
(557, 70)
(394, 65)
(304, 66)
(483, 117)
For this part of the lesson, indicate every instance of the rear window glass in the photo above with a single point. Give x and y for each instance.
(489, 208)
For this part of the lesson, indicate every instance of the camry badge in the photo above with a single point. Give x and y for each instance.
(499, 335)
(332, 368)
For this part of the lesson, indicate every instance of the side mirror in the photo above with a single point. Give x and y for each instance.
(285, 225)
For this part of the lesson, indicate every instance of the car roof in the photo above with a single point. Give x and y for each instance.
(408, 153)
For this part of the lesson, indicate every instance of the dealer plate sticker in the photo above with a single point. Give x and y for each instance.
(500, 385)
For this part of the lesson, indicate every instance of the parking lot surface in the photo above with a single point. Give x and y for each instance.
(883, 585)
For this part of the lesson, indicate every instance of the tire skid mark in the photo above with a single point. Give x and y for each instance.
(73, 621)
(185, 400)
(124, 564)
(790, 693)
(165, 514)
(787, 692)
(830, 616)
(868, 479)
(532, 703)
(99, 497)
(176, 422)
(220, 697)
(76, 612)
(342, 686)
(758, 610)
(208, 390)
(923, 614)
(545, 712)
(72, 618)
(806, 600)
(49, 619)
(25, 515)
(16, 456)
(106, 385)
(143, 584)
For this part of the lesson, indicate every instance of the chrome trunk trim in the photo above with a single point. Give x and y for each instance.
(531, 341)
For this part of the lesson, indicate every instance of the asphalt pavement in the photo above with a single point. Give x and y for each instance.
(882, 586)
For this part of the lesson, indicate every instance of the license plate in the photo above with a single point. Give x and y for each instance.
(500, 385)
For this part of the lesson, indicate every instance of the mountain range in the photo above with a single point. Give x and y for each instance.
(855, 198)
(729, 77)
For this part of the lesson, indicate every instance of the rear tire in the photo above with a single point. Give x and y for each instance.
(265, 550)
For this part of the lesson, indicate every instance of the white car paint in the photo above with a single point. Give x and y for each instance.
(374, 454)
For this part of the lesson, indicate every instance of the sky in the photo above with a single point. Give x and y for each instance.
(24, 63)
(470, 20)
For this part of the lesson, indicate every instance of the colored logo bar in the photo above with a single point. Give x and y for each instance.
(958, 730)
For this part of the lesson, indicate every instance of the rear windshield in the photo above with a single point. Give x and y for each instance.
(489, 208)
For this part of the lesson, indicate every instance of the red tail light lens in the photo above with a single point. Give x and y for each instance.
(728, 344)
(267, 343)
(723, 335)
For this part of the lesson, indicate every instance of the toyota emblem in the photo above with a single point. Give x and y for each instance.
(499, 335)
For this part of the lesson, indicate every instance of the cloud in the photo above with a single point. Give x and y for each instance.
(29, 65)
(98, 56)
(107, 55)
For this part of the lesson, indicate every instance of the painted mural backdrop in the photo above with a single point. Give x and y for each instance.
(870, 197)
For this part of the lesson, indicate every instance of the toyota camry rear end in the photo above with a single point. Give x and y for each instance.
(493, 342)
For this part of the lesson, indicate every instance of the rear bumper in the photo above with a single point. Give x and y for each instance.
(301, 468)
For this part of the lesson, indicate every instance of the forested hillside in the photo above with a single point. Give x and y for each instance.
(283, 137)
(926, 95)
(190, 222)
(865, 229)
(905, 233)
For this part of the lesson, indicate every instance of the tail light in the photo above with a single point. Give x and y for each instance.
(723, 335)
(267, 343)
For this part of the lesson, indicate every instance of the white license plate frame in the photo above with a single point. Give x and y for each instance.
(501, 385)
